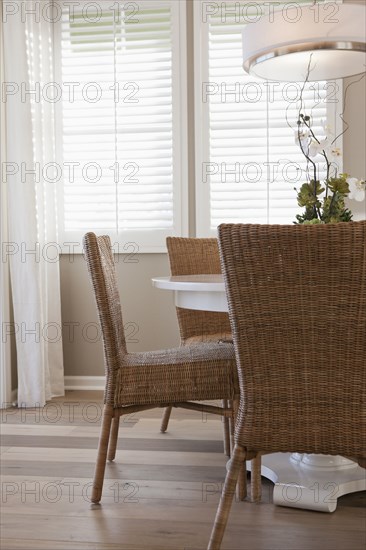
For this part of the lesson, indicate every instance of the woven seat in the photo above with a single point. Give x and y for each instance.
(297, 305)
(198, 372)
(140, 381)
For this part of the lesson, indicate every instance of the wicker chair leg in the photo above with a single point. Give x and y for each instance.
(226, 499)
(241, 488)
(255, 479)
(165, 419)
(232, 429)
(226, 429)
(113, 439)
(102, 453)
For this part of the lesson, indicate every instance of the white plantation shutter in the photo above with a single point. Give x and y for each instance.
(121, 129)
(247, 161)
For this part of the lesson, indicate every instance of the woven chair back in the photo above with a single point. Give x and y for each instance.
(297, 303)
(99, 258)
(188, 256)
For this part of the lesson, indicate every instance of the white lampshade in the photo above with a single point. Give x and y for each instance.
(278, 46)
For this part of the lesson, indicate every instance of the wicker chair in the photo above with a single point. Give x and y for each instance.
(194, 257)
(297, 304)
(189, 256)
(140, 381)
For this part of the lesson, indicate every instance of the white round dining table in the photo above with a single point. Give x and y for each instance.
(313, 482)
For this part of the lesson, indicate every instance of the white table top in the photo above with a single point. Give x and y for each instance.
(200, 292)
(211, 283)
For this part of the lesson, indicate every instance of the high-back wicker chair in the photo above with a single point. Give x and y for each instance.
(297, 304)
(191, 256)
(188, 256)
(140, 381)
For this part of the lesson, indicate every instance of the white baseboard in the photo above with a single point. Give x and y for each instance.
(84, 382)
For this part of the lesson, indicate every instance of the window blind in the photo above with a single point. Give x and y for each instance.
(248, 162)
(121, 136)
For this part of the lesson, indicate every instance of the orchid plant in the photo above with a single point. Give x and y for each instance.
(324, 202)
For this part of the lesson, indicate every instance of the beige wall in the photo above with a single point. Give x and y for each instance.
(146, 310)
(354, 139)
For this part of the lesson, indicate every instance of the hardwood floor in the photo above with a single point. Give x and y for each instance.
(160, 493)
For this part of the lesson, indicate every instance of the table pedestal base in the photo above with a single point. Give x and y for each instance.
(312, 482)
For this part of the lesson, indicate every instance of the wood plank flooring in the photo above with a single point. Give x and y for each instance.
(161, 492)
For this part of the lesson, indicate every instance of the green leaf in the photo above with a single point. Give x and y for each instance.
(339, 185)
(309, 193)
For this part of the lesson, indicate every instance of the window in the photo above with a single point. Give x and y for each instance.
(247, 161)
(121, 124)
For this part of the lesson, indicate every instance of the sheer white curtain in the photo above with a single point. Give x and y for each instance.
(5, 356)
(32, 250)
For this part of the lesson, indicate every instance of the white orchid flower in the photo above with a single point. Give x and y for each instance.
(318, 147)
(356, 189)
(334, 153)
